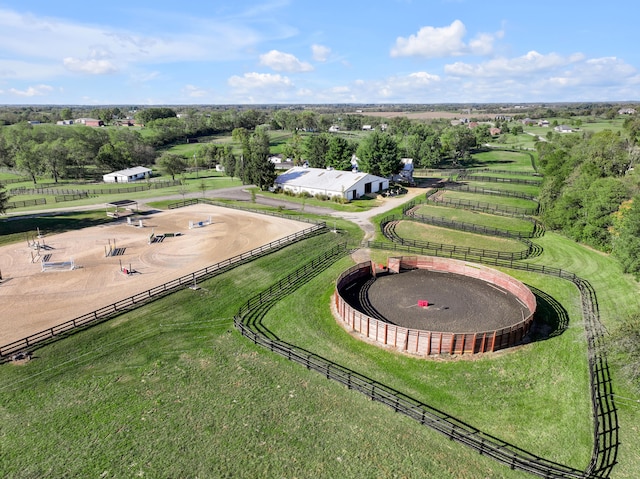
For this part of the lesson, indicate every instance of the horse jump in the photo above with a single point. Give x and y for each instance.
(199, 224)
(58, 265)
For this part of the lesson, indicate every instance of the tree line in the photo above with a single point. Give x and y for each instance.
(591, 191)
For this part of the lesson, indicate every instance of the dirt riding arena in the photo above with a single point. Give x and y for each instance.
(32, 300)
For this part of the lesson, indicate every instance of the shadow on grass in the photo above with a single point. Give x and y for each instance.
(52, 223)
(551, 318)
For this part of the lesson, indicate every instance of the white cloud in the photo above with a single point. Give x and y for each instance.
(532, 62)
(438, 42)
(38, 90)
(252, 81)
(193, 91)
(284, 62)
(482, 44)
(320, 52)
(60, 45)
(415, 85)
(91, 66)
(432, 42)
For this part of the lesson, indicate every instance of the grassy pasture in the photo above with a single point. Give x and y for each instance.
(531, 190)
(503, 160)
(192, 183)
(435, 234)
(493, 200)
(477, 218)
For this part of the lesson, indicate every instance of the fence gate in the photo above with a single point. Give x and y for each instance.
(394, 264)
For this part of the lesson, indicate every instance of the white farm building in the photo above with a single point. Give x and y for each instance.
(333, 183)
(127, 176)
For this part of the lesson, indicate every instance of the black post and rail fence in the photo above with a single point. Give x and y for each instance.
(604, 453)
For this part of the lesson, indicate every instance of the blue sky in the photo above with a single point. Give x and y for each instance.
(293, 51)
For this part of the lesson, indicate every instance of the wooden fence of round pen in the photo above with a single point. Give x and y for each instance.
(428, 343)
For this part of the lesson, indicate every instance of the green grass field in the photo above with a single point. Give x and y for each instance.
(489, 199)
(173, 390)
(503, 160)
(434, 234)
(156, 391)
(531, 190)
(480, 219)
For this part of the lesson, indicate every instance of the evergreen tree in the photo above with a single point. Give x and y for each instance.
(4, 199)
(316, 148)
(258, 170)
(339, 153)
(379, 155)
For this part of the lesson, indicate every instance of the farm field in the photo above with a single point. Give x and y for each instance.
(505, 160)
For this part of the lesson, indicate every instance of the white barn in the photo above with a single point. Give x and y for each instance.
(127, 176)
(333, 183)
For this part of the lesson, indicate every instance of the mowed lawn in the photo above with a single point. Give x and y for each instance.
(477, 218)
(413, 230)
(503, 160)
(502, 201)
(531, 190)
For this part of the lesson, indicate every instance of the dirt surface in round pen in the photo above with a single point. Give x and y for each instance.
(456, 303)
(32, 300)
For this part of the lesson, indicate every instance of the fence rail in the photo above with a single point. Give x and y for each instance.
(498, 179)
(9, 181)
(485, 191)
(22, 204)
(507, 172)
(389, 223)
(152, 185)
(435, 198)
(410, 209)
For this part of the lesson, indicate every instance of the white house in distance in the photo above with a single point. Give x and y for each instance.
(349, 185)
(127, 176)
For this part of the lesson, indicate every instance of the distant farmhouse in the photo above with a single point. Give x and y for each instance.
(349, 185)
(127, 176)
(563, 129)
(627, 111)
(89, 122)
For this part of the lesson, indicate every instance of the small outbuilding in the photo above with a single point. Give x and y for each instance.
(349, 185)
(127, 176)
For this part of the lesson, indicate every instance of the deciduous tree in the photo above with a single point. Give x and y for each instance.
(172, 164)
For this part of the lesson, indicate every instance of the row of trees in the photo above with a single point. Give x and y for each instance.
(591, 193)
(428, 145)
(71, 152)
